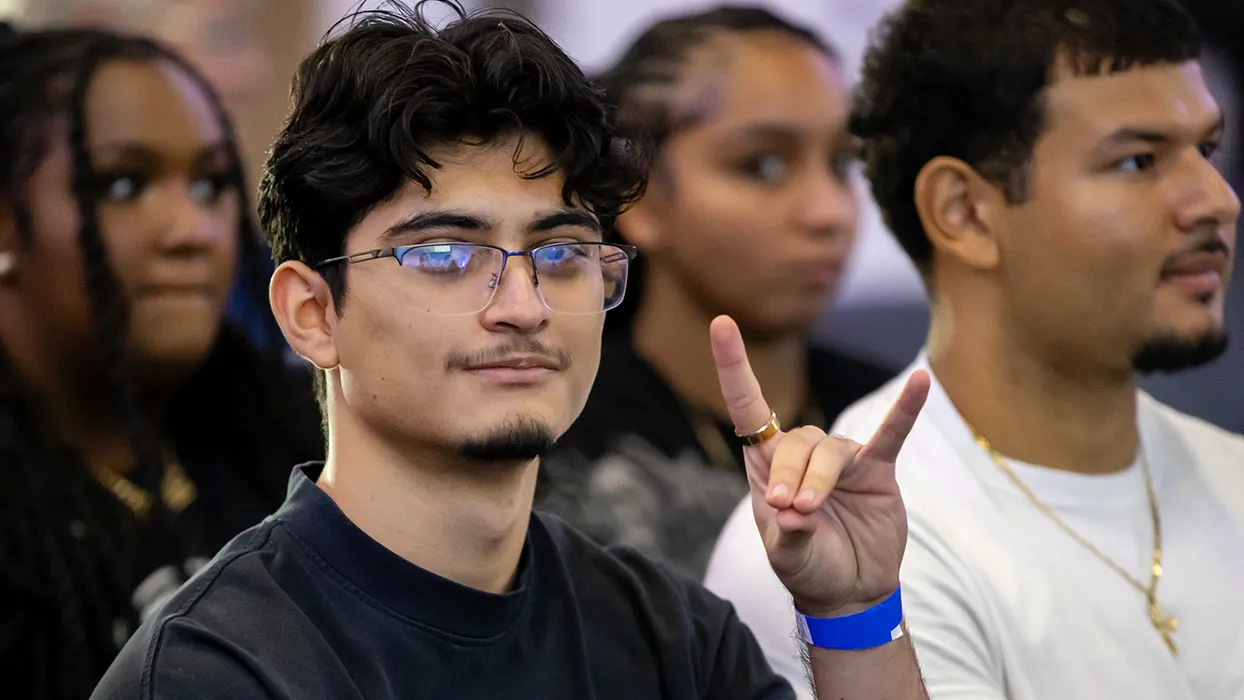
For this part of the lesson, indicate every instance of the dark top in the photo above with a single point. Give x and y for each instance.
(165, 555)
(644, 468)
(307, 606)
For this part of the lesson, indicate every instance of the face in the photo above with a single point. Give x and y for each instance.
(168, 219)
(750, 209)
(496, 385)
(1123, 248)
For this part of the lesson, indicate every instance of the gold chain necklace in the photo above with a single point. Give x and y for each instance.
(177, 489)
(1166, 626)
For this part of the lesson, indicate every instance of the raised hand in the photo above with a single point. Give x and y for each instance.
(828, 508)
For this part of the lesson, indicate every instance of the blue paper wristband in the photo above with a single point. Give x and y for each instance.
(874, 627)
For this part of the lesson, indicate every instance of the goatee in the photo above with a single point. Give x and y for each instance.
(518, 440)
(1168, 355)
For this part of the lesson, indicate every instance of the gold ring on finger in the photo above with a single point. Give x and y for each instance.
(763, 435)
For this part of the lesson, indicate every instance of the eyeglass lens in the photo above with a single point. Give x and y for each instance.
(461, 278)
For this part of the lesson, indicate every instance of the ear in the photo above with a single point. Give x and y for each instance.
(961, 211)
(303, 307)
(638, 224)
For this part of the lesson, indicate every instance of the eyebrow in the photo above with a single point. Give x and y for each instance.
(430, 220)
(1157, 135)
(133, 150)
(768, 130)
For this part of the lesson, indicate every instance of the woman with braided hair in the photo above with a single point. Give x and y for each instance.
(749, 212)
(139, 428)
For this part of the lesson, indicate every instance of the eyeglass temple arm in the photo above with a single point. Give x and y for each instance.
(359, 257)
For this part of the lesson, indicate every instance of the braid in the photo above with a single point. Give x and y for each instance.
(70, 560)
(65, 542)
(641, 86)
(103, 289)
(42, 550)
(657, 57)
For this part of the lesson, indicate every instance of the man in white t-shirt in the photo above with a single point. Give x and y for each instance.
(1049, 170)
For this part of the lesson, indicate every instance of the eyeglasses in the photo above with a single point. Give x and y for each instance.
(460, 279)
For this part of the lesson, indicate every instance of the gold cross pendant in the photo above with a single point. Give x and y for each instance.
(1164, 625)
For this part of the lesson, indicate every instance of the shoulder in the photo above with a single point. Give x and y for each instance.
(675, 616)
(621, 575)
(200, 624)
(1216, 455)
(739, 571)
(622, 564)
(1197, 431)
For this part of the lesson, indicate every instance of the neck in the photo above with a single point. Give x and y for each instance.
(672, 335)
(1029, 407)
(463, 522)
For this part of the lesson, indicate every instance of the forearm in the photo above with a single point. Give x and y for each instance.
(887, 672)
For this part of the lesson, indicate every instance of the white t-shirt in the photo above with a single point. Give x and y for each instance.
(1001, 603)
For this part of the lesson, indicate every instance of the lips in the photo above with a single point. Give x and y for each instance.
(819, 273)
(1201, 274)
(178, 290)
(526, 362)
(515, 371)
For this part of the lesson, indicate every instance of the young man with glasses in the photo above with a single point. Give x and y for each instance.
(443, 267)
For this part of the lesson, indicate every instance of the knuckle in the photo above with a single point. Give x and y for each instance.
(742, 402)
(843, 444)
(810, 434)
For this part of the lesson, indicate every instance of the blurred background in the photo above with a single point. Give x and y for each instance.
(250, 48)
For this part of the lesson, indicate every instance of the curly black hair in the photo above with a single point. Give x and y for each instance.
(63, 538)
(966, 79)
(370, 103)
(640, 85)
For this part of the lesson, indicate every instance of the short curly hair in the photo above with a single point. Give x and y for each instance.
(369, 105)
(966, 79)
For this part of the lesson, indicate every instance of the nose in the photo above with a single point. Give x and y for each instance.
(516, 305)
(1208, 201)
(186, 222)
(827, 204)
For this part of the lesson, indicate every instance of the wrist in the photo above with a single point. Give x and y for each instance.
(868, 628)
(843, 610)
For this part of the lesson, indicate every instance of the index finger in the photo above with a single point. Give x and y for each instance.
(888, 440)
(747, 406)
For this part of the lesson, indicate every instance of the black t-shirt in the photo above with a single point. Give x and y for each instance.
(165, 554)
(644, 468)
(307, 606)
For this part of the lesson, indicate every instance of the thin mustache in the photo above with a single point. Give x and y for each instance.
(1211, 244)
(560, 359)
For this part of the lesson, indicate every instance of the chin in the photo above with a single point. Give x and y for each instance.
(515, 440)
(174, 351)
(779, 321)
(1169, 353)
